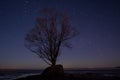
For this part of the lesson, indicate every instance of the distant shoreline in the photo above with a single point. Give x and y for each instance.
(7, 69)
(64, 68)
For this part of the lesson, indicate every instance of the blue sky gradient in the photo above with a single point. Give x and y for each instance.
(97, 45)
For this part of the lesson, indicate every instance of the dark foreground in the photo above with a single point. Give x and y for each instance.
(72, 77)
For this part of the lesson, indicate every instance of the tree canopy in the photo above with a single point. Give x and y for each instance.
(51, 31)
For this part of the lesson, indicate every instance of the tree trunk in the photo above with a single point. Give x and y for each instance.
(53, 62)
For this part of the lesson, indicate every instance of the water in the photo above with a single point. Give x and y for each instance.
(101, 72)
(13, 74)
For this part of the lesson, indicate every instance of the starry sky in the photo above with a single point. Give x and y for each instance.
(97, 45)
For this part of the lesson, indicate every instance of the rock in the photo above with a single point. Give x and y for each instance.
(53, 71)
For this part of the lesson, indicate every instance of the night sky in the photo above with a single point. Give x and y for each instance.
(97, 45)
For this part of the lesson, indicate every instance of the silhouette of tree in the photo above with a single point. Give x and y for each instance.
(52, 30)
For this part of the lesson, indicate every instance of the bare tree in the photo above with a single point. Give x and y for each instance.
(52, 30)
